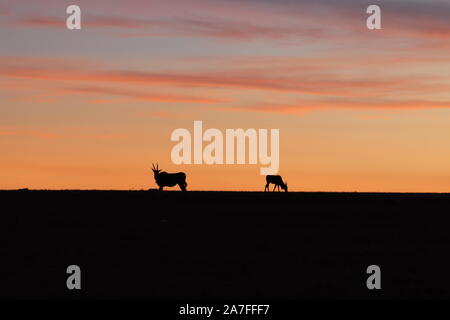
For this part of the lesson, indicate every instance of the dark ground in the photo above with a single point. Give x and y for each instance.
(223, 245)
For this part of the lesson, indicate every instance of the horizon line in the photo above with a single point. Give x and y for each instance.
(229, 191)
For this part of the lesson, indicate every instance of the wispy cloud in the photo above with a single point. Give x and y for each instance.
(328, 86)
(61, 133)
(250, 20)
(192, 27)
(93, 22)
(311, 84)
(28, 132)
(144, 96)
(306, 107)
(164, 114)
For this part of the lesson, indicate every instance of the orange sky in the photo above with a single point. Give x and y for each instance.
(357, 110)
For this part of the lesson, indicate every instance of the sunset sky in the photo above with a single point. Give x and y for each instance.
(357, 109)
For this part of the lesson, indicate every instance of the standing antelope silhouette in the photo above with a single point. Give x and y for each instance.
(277, 181)
(164, 179)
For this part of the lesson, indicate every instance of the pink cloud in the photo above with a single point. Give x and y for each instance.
(314, 84)
(144, 96)
(249, 20)
(281, 78)
(184, 27)
(302, 108)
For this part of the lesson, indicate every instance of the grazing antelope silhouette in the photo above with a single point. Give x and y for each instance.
(164, 179)
(277, 181)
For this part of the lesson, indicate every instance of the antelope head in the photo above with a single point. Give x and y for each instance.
(155, 170)
(285, 187)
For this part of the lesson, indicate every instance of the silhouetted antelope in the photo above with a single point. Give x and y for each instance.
(164, 179)
(277, 181)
